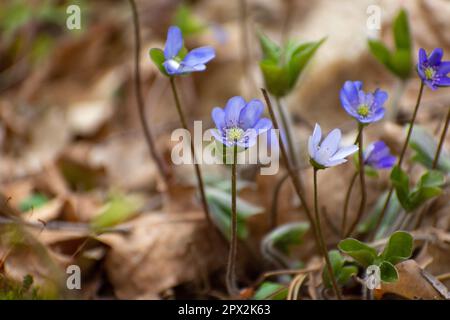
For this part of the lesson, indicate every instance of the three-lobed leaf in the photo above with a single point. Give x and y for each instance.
(399, 247)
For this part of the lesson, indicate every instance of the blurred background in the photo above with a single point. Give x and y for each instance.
(73, 152)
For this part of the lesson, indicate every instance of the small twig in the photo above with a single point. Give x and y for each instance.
(162, 167)
(441, 141)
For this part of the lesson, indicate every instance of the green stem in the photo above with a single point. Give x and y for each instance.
(231, 275)
(362, 181)
(441, 141)
(346, 203)
(296, 183)
(163, 169)
(319, 232)
(400, 160)
(194, 158)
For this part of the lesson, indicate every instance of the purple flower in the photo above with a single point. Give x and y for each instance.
(432, 70)
(364, 107)
(328, 153)
(239, 123)
(195, 60)
(378, 156)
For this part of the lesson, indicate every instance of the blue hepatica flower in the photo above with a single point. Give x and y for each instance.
(432, 70)
(194, 60)
(239, 123)
(364, 107)
(378, 156)
(328, 153)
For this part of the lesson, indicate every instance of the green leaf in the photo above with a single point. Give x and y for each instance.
(380, 51)
(34, 201)
(359, 251)
(157, 56)
(388, 272)
(400, 62)
(220, 204)
(401, 31)
(427, 188)
(271, 51)
(187, 22)
(346, 273)
(398, 248)
(117, 210)
(276, 77)
(400, 180)
(300, 57)
(425, 146)
(287, 235)
(267, 289)
(337, 262)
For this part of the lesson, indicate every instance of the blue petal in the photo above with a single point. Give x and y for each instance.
(174, 42)
(444, 82)
(380, 97)
(218, 116)
(251, 114)
(330, 144)
(422, 56)
(199, 56)
(218, 135)
(314, 140)
(350, 91)
(233, 110)
(435, 57)
(444, 68)
(263, 125)
(344, 152)
(188, 69)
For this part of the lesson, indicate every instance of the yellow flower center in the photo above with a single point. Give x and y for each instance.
(363, 110)
(429, 73)
(235, 133)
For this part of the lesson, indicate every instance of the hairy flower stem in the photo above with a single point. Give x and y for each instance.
(441, 141)
(362, 181)
(287, 128)
(321, 239)
(162, 167)
(297, 187)
(346, 203)
(231, 265)
(400, 160)
(194, 158)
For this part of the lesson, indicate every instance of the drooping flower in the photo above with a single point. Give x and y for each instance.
(378, 156)
(432, 70)
(193, 61)
(364, 107)
(240, 122)
(328, 153)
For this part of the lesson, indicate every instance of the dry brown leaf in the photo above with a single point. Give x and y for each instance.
(413, 283)
(161, 252)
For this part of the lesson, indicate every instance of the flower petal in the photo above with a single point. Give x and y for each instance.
(444, 82)
(233, 110)
(314, 140)
(250, 114)
(200, 55)
(422, 56)
(344, 152)
(263, 125)
(380, 97)
(331, 143)
(174, 42)
(218, 116)
(444, 68)
(217, 134)
(332, 163)
(351, 90)
(435, 57)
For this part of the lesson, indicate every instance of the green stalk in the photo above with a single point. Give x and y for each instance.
(198, 172)
(346, 203)
(296, 183)
(400, 160)
(231, 264)
(362, 181)
(441, 141)
(319, 232)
